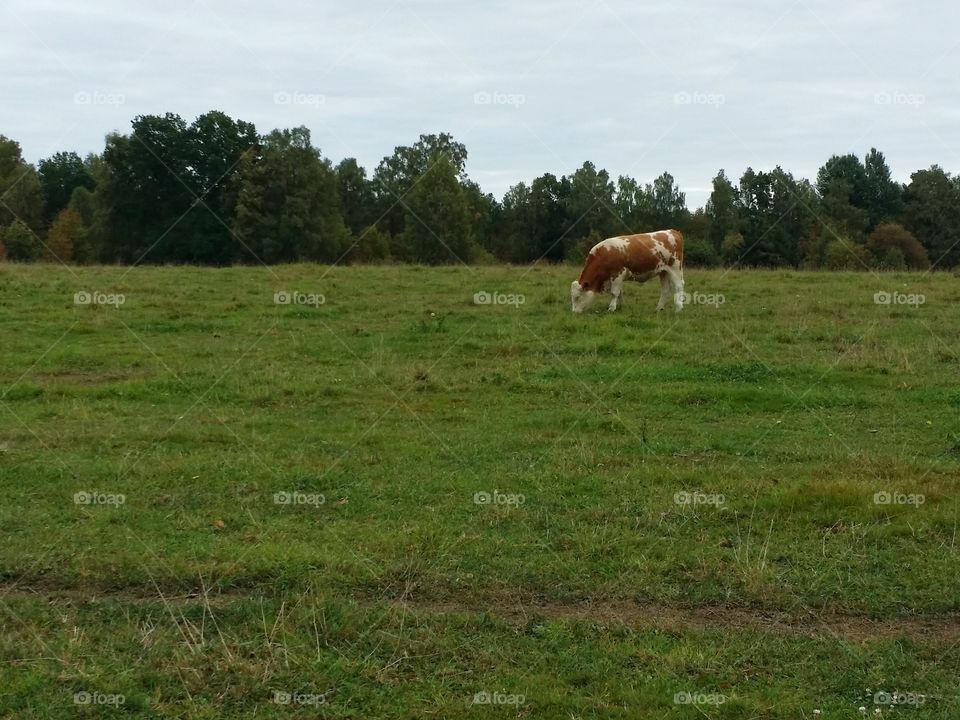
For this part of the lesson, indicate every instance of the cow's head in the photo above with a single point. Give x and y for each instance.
(581, 296)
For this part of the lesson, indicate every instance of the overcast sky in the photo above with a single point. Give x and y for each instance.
(529, 86)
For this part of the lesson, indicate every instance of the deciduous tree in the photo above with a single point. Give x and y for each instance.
(65, 232)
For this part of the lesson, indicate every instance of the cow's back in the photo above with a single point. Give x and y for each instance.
(641, 255)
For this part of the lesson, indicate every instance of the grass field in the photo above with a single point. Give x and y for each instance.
(398, 503)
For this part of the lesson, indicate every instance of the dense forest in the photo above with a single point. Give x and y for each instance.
(215, 191)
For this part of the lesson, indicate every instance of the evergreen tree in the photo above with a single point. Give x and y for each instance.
(883, 196)
(932, 214)
(357, 197)
(721, 210)
(437, 223)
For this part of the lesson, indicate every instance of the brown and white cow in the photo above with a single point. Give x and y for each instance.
(631, 257)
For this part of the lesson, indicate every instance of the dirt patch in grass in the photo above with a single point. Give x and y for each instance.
(670, 618)
(638, 615)
(86, 377)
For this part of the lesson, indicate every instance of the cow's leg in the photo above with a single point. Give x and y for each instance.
(616, 289)
(664, 291)
(676, 279)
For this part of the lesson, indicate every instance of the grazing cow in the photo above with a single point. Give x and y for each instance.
(631, 257)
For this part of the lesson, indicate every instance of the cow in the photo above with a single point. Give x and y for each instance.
(631, 257)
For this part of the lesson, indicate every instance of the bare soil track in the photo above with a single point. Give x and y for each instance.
(640, 615)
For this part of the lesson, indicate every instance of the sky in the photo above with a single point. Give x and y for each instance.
(528, 86)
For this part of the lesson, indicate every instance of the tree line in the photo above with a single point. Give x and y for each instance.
(217, 192)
